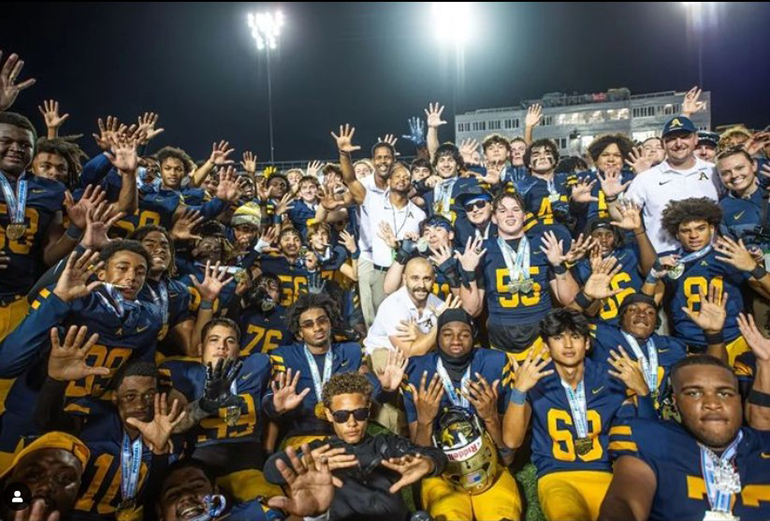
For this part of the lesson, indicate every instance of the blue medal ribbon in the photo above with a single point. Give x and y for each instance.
(720, 475)
(130, 466)
(449, 388)
(17, 203)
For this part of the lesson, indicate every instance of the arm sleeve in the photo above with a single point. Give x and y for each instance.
(212, 208)
(49, 409)
(95, 171)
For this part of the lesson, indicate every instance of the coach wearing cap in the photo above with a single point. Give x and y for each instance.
(680, 176)
(708, 142)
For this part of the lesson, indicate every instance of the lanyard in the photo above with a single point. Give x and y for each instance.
(17, 202)
(130, 465)
(318, 383)
(449, 388)
(577, 405)
(721, 475)
(442, 193)
(649, 362)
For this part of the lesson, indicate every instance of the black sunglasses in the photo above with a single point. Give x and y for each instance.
(343, 416)
(478, 205)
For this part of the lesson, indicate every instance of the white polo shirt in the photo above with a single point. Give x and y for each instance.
(395, 308)
(378, 209)
(364, 229)
(653, 189)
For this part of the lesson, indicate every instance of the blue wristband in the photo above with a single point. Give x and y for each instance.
(517, 397)
(206, 304)
(651, 279)
(73, 232)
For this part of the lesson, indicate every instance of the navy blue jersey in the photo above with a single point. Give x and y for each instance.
(225, 299)
(44, 199)
(456, 212)
(685, 292)
(599, 209)
(537, 198)
(346, 358)
(261, 332)
(745, 367)
(741, 218)
(508, 308)
(189, 378)
(674, 457)
(293, 277)
(553, 431)
(178, 302)
(100, 491)
(491, 364)
(301, 215)
(252, 511)
(627, 279)
(670, 350)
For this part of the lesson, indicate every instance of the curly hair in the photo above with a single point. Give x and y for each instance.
(542, 143)
(67, 149)
(177, 153)
(307, 301)
(346, 383)
(495, 138)
(681, 212)
(599, 144)
(449, 149)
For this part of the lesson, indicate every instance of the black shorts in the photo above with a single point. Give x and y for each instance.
(512, 339)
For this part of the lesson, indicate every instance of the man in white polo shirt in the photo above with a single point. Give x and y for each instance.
(680, 176)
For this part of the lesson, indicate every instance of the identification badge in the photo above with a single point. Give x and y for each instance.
(15, 231)
(584, 445)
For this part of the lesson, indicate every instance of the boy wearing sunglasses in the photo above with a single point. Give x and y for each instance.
(368, 471)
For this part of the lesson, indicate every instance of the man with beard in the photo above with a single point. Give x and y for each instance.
(515, 278)
(260, 317)
(709, 467)
(457, 375)
(127, 326)
(571, 402)
(435, 244)
(52, 468)
(369, 470)
(681, 175)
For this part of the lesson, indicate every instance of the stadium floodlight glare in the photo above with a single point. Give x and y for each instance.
(265, 28)
(452, 21)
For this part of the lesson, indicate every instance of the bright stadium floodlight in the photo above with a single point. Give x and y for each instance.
(265, 29)
(452, 21)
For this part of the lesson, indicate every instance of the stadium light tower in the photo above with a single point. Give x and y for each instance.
(701, 16)
(453, 22)
(265, 29)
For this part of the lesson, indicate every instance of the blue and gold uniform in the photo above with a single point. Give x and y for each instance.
(670, 350)
(599, 209)
(302, 215)
(24, 353)
(742, 216)
(226, 298)
(570, 485)
(178, 302)
(293, 277)
(745, 368)
(681, 490)
(234, 453)
(100, 491)
(514, 317)
(537, 198)
(456, 212)
(685, 292)
(261, 331)
(439, 495)
(627, 279)
(44, 200)
(301, 425)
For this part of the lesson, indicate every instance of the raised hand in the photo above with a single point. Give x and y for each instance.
(337, 458)
(408, 330)
(92, 197)
(638, 161)
(734, 253)
(713, 310)
(759, 345)
(553, 248)
(690, 104)
(73, 281)
(314, 168)
(441, 255)
(579, 248)
(249, 164)
(67, 362)
(228, 188)
(390, 139)
(756, 143)
(391, 375)
(628, 371)
(266, 239)
(599, 284)
(345, 139)
(107, 131)
(581, 192)
(214, 280)
(219, 153)
(611, 182)
(99, 220)
(9, 89)
(218, 392)
(50, 112)
(428, 398)
(185, 224)
(122, 153)
(433, 113)
(157, 433)
(467, 149)
(416, 132)
(285, 204)
(534, 115)
(285, 397)
(310, 485)
(451, 302)
(530, 371)
(36, 512)
(387, 235)
(471, 256)
(412, 467)
(483, 397)
(348, 241)
(630, 216)
(146, 127)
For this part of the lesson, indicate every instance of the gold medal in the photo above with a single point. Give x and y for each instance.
(15, 231)
(127, 511)
(526, 286)
(232, 415)
(320, 411)
(583, 446)
(676, 272)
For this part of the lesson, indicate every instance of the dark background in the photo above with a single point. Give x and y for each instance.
(370, 64)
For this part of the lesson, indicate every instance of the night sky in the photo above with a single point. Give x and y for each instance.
(372, 65)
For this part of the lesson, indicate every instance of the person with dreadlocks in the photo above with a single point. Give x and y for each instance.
(704, 266)
(301, 369)
(59, 159)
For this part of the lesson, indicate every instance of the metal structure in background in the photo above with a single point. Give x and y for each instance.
(265, 29)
